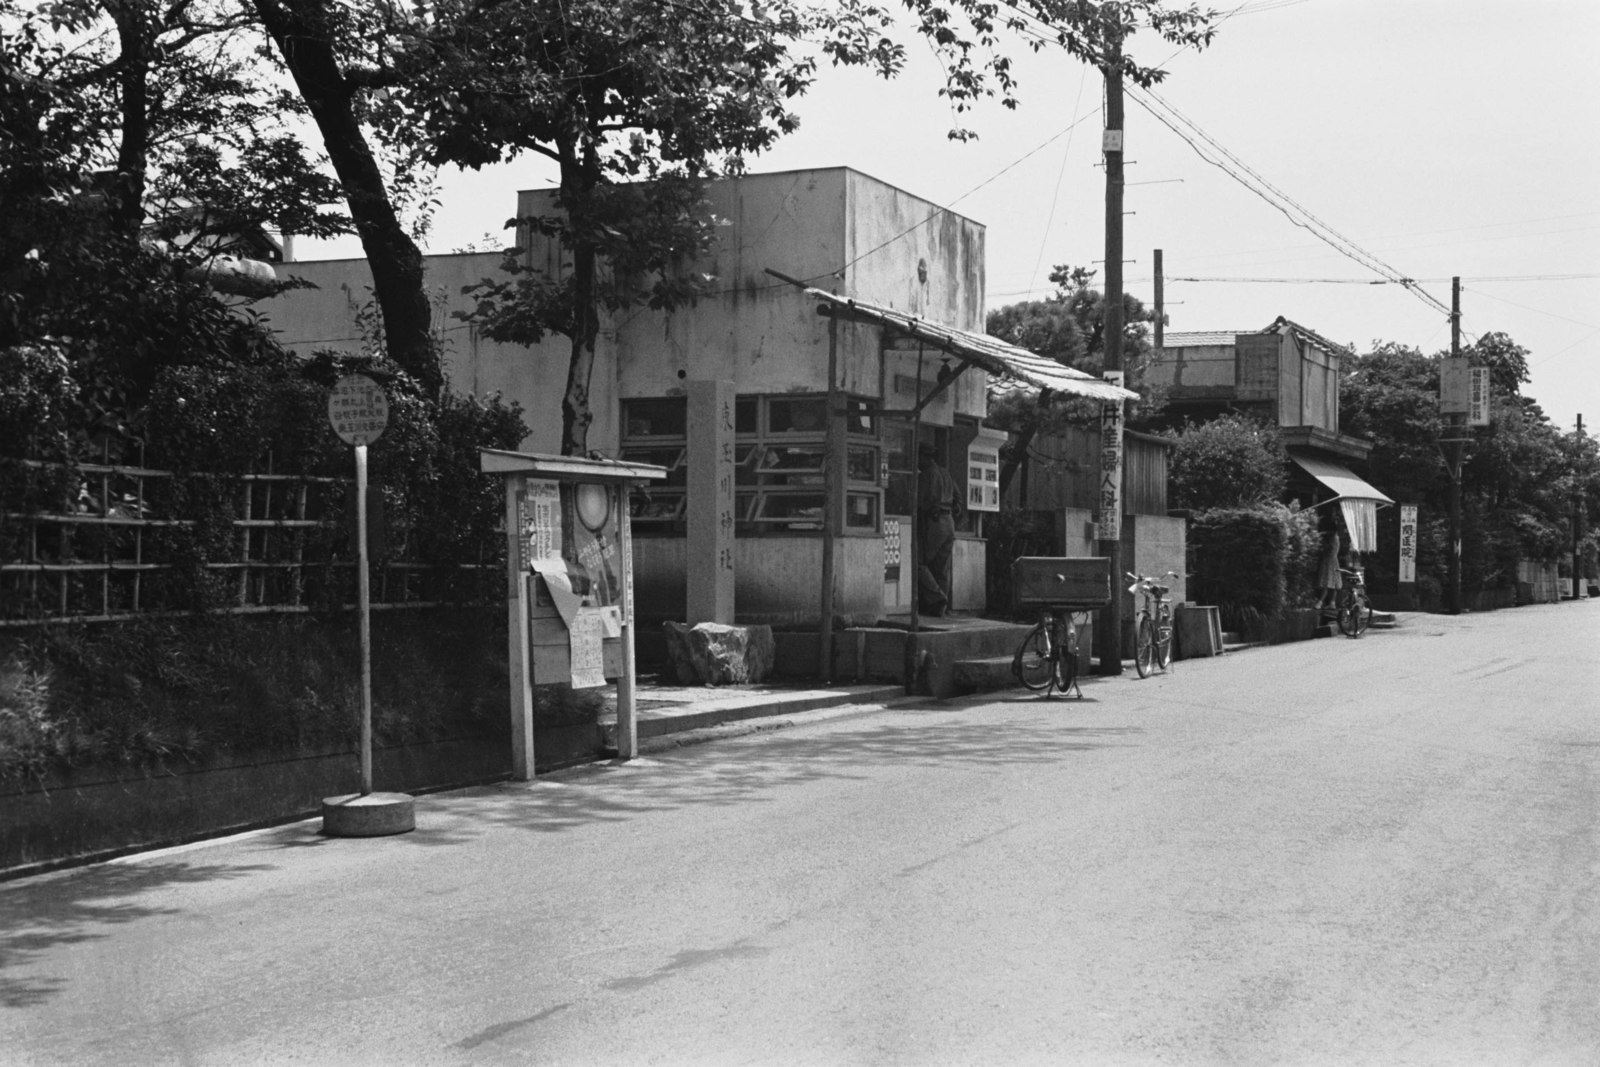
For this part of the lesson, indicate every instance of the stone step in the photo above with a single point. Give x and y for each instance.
(983, 674)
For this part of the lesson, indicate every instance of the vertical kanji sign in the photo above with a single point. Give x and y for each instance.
(1108, 503)
(1408, 543)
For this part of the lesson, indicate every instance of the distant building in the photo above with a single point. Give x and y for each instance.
(1287, 376)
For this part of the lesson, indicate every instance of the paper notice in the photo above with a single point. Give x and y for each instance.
(588, 631)
(554, 573)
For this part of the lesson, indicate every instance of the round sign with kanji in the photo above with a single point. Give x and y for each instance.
(358, 409)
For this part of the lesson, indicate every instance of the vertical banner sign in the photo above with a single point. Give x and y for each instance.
(1408, 543)
(1478, 397)
(1108, 511)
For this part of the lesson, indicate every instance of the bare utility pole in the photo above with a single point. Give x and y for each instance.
(1580, 507)
(1108, 635)
(1161, 307)
(1455, 432)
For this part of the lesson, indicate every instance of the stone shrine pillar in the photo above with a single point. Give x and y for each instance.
(708, 556)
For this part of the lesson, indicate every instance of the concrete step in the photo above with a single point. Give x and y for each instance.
(984, 674)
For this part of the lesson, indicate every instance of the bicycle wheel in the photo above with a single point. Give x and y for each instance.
(1351, 622)
(1144, 652)
(1164, 637)
(1033, 664)
(1067, 655)
(1361, 614)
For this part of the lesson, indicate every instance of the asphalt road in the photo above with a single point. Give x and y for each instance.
(1382, 851)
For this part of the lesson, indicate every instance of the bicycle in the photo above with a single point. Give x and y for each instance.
(1354, 607)
(1047, 658)
(1153, 628)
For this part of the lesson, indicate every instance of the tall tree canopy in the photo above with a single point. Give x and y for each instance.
(657, 92)
(638, 101)
(137, 141)
(1522, 479)
(1068, 326)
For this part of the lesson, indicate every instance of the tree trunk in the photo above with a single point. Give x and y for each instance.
(576, 414)
(127, 204)
(578, 179)
(300, 29)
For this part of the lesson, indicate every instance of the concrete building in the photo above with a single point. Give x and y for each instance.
(813, 269)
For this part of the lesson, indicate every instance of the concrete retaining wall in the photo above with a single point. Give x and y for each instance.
(95, 812)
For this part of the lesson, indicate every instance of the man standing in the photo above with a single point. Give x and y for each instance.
(939, 503)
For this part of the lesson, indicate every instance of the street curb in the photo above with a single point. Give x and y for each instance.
(718, 716)
(676, 739)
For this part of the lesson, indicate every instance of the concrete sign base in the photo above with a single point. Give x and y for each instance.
(373, 815)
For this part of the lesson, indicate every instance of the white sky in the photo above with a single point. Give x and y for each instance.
(1443, 137)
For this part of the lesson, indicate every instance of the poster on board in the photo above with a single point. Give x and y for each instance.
(571, 539)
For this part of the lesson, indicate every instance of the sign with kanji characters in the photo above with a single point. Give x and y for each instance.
(1478, 397)
(358, 409)
(1108, 502)
(1408, 543)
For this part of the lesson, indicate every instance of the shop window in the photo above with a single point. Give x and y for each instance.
(779, 462)
(861, 511)
(666, 417)
(807, 415)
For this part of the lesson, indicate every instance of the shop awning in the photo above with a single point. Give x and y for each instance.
(1344, 482)
(989, 354)
(1358, 501)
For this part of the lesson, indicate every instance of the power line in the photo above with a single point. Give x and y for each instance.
(1295, 212)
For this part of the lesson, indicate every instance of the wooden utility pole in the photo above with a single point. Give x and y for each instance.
(1455, 431)
(1108, 634)
(1161, 306)
(1580, 506)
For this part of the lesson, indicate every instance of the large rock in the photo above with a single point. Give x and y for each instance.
(710, 653)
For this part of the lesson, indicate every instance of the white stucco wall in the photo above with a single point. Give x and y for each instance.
(836, 229)
(326, 317)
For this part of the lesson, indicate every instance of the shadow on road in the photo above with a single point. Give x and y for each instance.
(38, 915)
(751, 773)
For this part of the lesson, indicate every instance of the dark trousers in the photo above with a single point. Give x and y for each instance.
(938, 539)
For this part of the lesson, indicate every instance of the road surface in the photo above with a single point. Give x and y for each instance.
(1384, 851)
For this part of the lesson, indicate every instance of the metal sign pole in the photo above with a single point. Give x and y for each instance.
(358, 411)
(364, 599)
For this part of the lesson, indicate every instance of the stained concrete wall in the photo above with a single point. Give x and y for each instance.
(835, 228)
(1195, 371)
(779, 579)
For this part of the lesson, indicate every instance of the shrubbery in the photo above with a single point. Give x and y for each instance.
(1226, 463)
(1254, 563)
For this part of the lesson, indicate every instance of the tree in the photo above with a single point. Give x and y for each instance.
(335, 54)
(136, 142)
(971, 37)
(617, 95)
(1069, 327)
(1229, 462)
(659, 91)
(1521, 480)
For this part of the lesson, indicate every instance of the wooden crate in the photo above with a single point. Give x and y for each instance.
(1062, 581)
